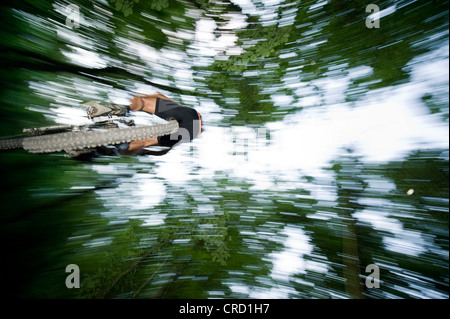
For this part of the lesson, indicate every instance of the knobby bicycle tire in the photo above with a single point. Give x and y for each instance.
(70, 141)
(11, 144)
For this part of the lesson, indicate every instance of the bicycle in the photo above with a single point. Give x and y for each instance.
(72, 138)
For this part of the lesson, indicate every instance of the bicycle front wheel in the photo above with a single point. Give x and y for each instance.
(70, 141)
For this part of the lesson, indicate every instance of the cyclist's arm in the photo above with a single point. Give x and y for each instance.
(136, 146)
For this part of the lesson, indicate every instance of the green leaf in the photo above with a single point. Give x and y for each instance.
(119, 4)
(128, 11)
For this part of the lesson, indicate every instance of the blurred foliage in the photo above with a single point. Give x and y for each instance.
(218, 231)
(126, 6)
(320, 40)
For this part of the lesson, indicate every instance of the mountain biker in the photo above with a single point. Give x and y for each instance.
(189, 120)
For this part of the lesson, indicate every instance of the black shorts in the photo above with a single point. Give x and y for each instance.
(189, 121)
